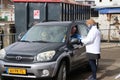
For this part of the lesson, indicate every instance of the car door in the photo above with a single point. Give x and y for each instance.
(82, 27)
(79, 55)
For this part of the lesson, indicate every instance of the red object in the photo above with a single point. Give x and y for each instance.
(53, 1)
(38, 1)
(66, 1)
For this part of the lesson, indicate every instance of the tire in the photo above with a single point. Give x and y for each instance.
(62, 72)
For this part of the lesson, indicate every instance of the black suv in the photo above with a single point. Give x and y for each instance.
(46, 50)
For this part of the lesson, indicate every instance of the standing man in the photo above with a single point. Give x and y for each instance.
(92, 42)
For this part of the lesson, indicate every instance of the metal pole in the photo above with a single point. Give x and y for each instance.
(109, 32)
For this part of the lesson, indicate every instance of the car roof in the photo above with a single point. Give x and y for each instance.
(59, 22)
(55, 23)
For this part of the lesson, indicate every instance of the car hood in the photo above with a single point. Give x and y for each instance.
(30, 48)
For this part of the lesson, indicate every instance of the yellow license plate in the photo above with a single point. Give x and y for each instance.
(16, 71)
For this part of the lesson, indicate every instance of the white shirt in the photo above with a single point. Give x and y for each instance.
(92, 41)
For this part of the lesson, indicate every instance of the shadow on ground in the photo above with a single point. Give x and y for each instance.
(106, 69)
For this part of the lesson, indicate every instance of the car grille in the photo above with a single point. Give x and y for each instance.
(19, 58)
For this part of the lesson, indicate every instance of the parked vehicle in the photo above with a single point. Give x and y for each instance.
(45, 51)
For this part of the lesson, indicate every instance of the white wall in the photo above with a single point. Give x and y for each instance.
(9, 14)
(104, 26)
(107, 3)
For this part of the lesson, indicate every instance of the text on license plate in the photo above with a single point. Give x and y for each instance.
(16, 71)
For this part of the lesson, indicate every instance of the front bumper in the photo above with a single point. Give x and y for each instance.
(35, 70)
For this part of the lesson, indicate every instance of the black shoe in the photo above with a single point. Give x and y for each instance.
(93, 79)
(90, 77)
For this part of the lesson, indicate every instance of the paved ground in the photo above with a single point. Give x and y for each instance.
(109, 66)
(109, 45)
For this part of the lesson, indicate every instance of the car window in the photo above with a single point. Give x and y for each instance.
(83, 30)
(46, 33)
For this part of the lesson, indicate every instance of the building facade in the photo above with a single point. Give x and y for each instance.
(6, 10)
(6, 4)
(109, 19)
(88, 2)
(105, 3)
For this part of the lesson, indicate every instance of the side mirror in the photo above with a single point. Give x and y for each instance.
(74, 41)
(20, 36)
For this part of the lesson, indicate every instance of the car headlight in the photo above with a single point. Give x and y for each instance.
(45, 56)
(2, 53)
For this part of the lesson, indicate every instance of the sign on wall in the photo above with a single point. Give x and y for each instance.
(36, 14)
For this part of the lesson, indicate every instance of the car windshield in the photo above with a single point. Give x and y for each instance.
(47, 33)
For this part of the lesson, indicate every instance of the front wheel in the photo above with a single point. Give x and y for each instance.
(62, 72)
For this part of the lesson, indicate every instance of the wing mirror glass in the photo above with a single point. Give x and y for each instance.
(74, 41)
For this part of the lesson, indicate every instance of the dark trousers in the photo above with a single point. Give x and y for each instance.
(93, 66)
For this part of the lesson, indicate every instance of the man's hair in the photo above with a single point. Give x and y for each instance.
(90, 21)
(76, 31)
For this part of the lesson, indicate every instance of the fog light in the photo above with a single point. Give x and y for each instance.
(45, 73)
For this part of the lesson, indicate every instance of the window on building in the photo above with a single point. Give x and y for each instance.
(94, 13)
(100, 0)
(89, 2)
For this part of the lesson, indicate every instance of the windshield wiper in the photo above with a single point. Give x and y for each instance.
(41, 41)
(24, 41)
